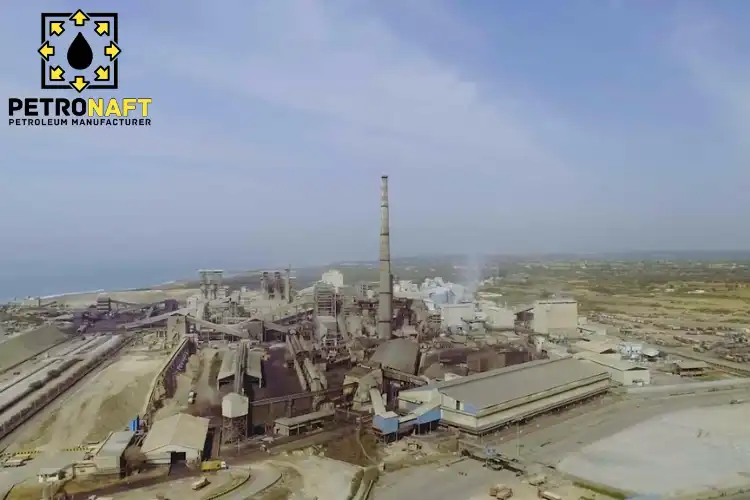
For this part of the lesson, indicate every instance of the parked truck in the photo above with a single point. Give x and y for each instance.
(191, 397)
(213, 465)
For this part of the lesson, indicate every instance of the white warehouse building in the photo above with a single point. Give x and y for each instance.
(180, 438)
(621, 371)
(484, 402)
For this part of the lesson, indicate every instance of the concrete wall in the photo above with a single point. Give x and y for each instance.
(163, 454)
(167, 374)
(500, 317)
(555, 316)
(454, 314)
(690, 387)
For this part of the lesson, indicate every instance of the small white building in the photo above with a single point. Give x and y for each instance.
(621, 372)
(333, 277)
(180, 438)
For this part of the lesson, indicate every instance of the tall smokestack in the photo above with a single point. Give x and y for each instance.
(385, 295)
(288, 285)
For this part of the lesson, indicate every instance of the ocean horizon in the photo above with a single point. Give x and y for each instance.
(18, 287)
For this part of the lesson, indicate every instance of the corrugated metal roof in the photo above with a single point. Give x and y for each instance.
(115, 444)
(689, 364)
(227, 368)
(307, 417)
(514, 382)
(182, 430)
(254, 364)
(610, 361)
(597, 346)
(399, 354)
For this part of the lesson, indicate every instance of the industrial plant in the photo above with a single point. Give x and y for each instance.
(231, 370)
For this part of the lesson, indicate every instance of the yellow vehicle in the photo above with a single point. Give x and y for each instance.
(213, 465)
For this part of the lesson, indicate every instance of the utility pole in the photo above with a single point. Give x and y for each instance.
(518, 439)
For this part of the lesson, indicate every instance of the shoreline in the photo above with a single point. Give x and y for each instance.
(76, 294)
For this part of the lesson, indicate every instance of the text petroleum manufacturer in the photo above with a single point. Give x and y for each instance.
(79, 53)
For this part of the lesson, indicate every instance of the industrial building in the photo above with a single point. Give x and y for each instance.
(596, 347)
(500, 318)
(690, 368)
(178, 439)
(399, 354)
(456, 315)
(621, 371)
(334, 278)
(484, 402)
(110, 455)
(289, 426)
(556, 316)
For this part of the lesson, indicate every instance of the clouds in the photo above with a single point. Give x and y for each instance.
(710, 49)
(273, 121)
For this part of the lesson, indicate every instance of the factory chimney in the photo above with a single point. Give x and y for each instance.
(288, 285)
(385, 295)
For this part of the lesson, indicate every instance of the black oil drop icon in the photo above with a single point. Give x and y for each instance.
(80, 55)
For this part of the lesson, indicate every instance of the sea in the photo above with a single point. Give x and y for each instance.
(17, 286)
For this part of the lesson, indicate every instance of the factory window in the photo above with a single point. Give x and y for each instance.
(458, 405)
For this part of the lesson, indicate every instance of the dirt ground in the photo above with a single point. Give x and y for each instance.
(181, 488)
(105, 403)
(197, 377)
(353, 449)
(322, 477)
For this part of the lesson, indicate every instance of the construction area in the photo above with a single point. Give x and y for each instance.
(389, 375)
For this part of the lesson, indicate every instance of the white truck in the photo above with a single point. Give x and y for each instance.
(200, 483)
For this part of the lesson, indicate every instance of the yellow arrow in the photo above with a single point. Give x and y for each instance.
(56, 28)
(79, 83)
(56, 74)
(112, 50)
(79, 18)
(102, 28)
(102, 74)
(46, 50)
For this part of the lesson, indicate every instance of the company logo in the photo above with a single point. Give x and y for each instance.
(80, 52)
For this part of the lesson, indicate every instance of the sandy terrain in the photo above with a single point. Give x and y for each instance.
(195, 377)
(677, 453)
(321, 477)
(106, 403)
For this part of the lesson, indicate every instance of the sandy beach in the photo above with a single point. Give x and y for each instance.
(82, 299)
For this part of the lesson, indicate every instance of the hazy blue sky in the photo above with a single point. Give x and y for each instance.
(505, 126)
